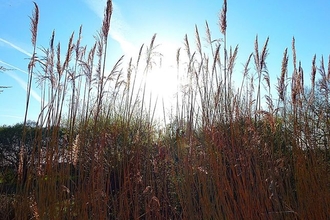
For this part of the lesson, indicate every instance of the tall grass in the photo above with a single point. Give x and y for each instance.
(222, 155)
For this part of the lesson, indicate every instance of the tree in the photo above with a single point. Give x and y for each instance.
(10, 142)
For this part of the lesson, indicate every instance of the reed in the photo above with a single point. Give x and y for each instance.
(224, 153)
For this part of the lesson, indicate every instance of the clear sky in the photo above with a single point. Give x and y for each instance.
(135, 22)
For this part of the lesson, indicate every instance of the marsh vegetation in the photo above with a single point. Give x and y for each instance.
(98, 150)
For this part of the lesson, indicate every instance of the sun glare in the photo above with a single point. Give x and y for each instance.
(162, 80)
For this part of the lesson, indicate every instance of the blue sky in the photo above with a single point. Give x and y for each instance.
(135, 22)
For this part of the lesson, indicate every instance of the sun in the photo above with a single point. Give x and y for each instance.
(162, 87)
(162, 82)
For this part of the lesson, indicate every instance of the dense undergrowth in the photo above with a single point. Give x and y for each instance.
(223, 154)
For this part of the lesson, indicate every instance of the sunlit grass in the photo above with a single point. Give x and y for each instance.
(219, 155)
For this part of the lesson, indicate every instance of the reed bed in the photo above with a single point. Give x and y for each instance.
(224, 153)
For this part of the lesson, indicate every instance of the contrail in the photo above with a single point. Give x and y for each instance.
(14, 67)
(16, 47)
(20, 81)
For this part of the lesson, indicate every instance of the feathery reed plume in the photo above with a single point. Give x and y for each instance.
(230, 69)
(322, 68)
(301, 76)
(34, 24)
(264, 55)
(294, 54)
(58, 63)
(267, 79)
(322, 82)
(313, 74)
(260, 59)
(178, 57)
(198, 41)
(187, 47)
(223, 18)
(281, 81)
(50, 60)
(106, 20)
(208, 33)
(139, 56)
(232, 59)
(209, 38)
(216, 58)
(294, 75)
(68, 53)
(150, 52)
(256, 53)
(78, 43)
(51, 42)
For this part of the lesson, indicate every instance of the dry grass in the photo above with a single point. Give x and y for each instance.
(221, 155)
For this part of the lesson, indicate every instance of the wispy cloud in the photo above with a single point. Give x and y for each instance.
(16, 47)
(97, 6)
(13, 67)
(20, 81)
(118, 25)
